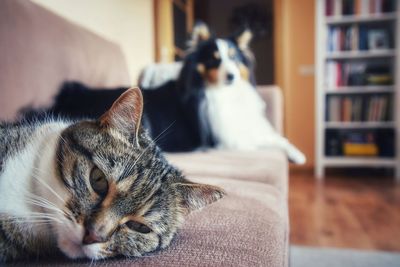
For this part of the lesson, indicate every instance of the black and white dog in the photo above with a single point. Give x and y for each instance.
(212, 103)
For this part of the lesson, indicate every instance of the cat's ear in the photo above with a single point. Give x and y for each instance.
(126, 112)
(196, 196)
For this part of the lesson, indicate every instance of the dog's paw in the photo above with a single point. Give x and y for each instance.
(297, 157)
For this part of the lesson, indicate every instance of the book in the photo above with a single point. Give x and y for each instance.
(358, 7)
(360, 144)
(337, 8)
(351, 149)
(363, 38)
(357, 73)
(358, 108)
(378, 39)
(347, 7)
(364, 7)
(355, 37)
(329, 7)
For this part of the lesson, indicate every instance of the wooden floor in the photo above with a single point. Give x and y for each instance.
(346, 212)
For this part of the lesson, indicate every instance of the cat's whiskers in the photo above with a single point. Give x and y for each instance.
(28, 215)
(50, 190)
(44, 205)
(48, 204)
(65, 143)
(35, 176)
(61, 139)
(36, 213)
(102, 159)
(65, 214)
(91, 262)
(130, 167)
(34, 199)
(46, 185)
(47, 146)
(32, 217)
(27, 220)
(42, 200)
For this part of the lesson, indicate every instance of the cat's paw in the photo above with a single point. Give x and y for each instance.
(93, 251)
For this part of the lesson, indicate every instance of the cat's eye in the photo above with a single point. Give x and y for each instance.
(98, 181)
(138, 227)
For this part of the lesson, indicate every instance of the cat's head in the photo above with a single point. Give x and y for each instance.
(123, 198)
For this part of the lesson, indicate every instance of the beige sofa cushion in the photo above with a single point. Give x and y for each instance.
(266, 166)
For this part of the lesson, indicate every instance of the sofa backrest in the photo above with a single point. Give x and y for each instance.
(40, 50)
(273, 97)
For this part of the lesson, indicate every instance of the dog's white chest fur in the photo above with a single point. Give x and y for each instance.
(236, 115)
(237, 119)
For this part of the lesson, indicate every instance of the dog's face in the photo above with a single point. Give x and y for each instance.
(221, 62)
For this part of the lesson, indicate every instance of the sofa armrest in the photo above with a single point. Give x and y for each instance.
(272, 95)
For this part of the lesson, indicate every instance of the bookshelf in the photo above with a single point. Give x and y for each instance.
(357, 84)
(359, 125)
(332, 20)
(361, 54)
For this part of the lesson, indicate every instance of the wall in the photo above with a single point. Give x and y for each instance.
(126, 22)
(294, 70)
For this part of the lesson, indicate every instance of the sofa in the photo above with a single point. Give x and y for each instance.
(249, 227)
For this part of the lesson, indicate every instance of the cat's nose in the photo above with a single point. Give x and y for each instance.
(92, 237)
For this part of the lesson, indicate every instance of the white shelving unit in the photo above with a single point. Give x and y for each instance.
(361, 54)
(359, 125)
(357, 19)
(322, 91)
(359, 89)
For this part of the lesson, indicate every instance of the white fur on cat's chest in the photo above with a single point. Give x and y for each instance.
(15, 182)
(16, 179)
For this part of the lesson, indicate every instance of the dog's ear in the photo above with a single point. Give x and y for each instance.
(243, 38)
(200, 33)
(190, 80)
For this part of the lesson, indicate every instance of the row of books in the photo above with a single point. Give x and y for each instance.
(359, 7)
(355, 37)
(354, 144)
(359, 108)
(360, 143)
(343, 38)
(339, 73)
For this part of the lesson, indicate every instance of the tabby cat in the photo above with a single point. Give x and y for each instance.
(90, 189)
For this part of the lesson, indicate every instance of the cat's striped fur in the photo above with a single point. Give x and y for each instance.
(49, 200)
